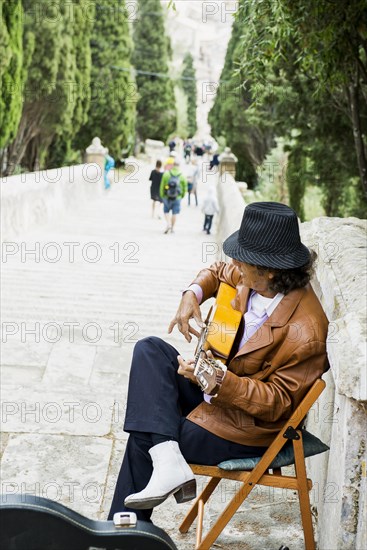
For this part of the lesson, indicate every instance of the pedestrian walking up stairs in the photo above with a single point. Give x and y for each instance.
(85, 274)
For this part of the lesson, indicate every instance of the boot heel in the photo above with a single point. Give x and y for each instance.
(187, 492)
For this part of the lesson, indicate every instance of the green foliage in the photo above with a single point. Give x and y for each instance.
(73, 86)
(306, 65)
(296, 176)
(313, 203)
(66, 101)
(69, 101)
(11, 75)
(42, 41)
(301, 71)
(111, 116)
(57, 70)
(182, 108)
(82, 30)
(275, 176)
(271, 177)
(189, 87)
(249, 140)
(156, 112)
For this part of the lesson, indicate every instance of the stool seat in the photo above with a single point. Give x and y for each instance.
(312, 445)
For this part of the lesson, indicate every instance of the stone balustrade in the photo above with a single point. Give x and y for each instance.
(32, 199)
(227, 162)
(339, 416)
(155, 150)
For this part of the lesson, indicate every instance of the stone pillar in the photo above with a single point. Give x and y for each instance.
(155, 150)
(95, 154)
(227, 162)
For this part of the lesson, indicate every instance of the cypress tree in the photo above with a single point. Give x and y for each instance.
(189, 87)
(112, 109)
(156, 111)
(11, 76)
(59, 110)
(73, 95)
(56, 70)
(43, 37)
(68, 102)
(228, 117)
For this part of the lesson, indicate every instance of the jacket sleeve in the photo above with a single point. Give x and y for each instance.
(276, 397)
(210, 278)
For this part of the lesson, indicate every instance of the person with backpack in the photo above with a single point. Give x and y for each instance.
(172, 189)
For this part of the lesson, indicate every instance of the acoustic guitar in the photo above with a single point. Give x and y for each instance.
(217, 336)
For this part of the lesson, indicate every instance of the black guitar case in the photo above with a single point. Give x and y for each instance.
(29, 522)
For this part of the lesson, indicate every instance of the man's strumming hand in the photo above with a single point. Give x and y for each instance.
(188, 309)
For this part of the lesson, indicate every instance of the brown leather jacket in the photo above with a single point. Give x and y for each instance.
(271, 373)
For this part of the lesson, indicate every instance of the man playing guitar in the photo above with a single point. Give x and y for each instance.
(245, 380)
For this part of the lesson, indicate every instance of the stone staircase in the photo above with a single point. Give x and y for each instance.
(70, 321)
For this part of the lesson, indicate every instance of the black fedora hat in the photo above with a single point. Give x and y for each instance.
(268, 237)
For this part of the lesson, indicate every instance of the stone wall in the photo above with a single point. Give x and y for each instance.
(29, 200)
(339, 416)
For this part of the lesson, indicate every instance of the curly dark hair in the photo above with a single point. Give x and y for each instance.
(285, 280)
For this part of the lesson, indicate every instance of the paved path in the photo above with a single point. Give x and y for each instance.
(77, 294)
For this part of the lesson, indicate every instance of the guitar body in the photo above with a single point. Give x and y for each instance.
(223, 325)
(218, 336)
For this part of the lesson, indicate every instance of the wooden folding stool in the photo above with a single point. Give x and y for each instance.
(260, 475)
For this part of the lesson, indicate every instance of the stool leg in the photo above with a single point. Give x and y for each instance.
(203, 497)
(303, 495)
(212, 535)
(199, 528)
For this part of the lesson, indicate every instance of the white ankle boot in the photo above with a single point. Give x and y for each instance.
(171, 476)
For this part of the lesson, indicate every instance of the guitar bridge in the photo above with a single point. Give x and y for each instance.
(208, 371)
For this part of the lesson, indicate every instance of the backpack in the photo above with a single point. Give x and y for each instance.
(173, 188)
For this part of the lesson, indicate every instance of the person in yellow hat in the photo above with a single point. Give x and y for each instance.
(170, 162)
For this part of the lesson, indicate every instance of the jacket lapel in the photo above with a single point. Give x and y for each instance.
(280, 316)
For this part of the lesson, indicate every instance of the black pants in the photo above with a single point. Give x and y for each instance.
(158, 401)
(208, 222)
